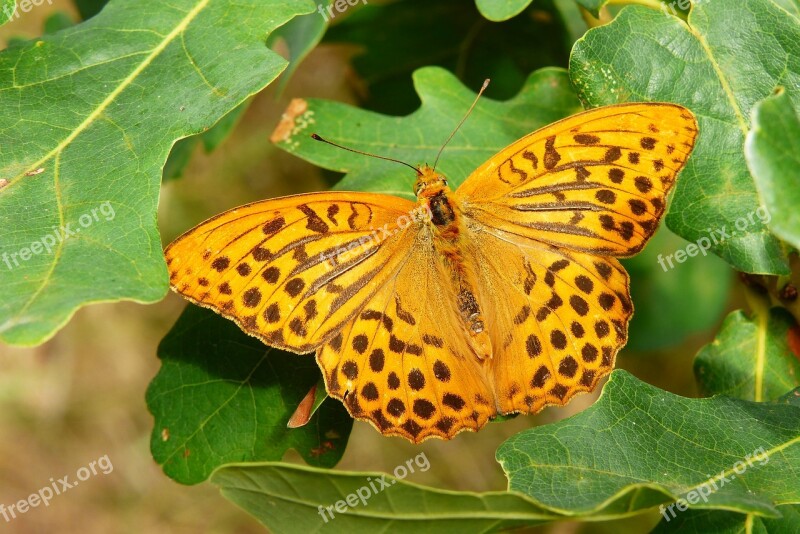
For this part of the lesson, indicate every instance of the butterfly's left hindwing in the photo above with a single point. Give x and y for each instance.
(596, 182)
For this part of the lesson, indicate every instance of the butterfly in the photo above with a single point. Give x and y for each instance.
(432, 317)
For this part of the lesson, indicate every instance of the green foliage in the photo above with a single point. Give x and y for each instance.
(416, 138)
(662, 318)
(589, 465)
(221, 396)
(704, 521)
(498, 10)
(457, 38)
(399, 506)
(89, 8)
(688, 442)
(182, 150)
(751, 357)
(97, 114)
(719, 69)
(300, 35)
(773, 154)
(124, 109)
(7, 8)
(56, 22)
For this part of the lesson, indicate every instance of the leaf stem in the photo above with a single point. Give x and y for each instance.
(592, 21)
(760, 305)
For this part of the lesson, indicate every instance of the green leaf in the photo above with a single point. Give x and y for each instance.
(92, 130)
(320, 396)
(182, 150)
(661, 293)
(89, 8)
(7, 9)
(719, 69)
(300, 35)
(60, 20)
(498, 10)
(793, 398)
(639, 446)
(773, 155)
(593, 6)
(287, 498)
(456, 37)
(222, 396)
(791, 6)
(750, 357)
(573, 20)
(708, 521)
(416, 138)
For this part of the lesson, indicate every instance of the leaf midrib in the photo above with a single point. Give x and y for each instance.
(726, 88)
(127, 81)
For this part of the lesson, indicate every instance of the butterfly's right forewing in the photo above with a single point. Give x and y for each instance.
(597, 181)
(293, 271)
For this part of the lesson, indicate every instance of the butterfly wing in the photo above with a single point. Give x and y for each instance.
(595, 182)
(546, 216)
(558, 318)
(404, 363)
(292, 271)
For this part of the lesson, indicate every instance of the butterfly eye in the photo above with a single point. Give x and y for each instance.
(444, 182)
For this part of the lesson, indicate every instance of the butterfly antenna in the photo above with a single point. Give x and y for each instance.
(483, 88)
(318, 138)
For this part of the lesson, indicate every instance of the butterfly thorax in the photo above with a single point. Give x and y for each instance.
(435, 195)
(446, 223)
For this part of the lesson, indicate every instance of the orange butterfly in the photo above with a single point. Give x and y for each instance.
(430, 318)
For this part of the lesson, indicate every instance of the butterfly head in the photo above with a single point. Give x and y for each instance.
(430, 183)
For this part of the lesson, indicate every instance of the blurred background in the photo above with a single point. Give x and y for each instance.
(80, 396)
